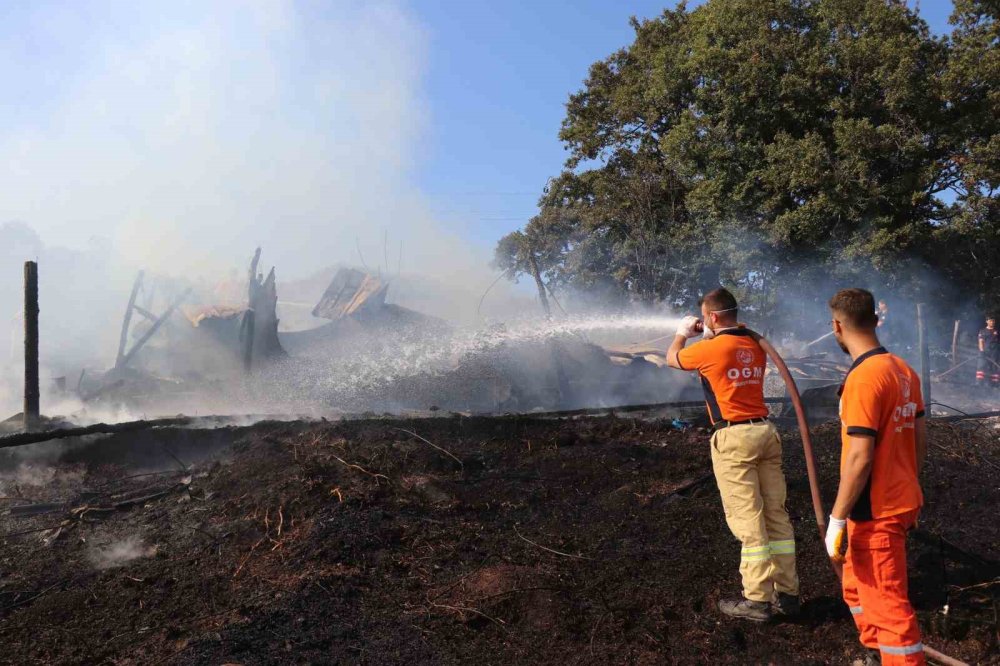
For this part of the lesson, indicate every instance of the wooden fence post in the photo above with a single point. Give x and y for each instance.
(925, 359)
(31, 393)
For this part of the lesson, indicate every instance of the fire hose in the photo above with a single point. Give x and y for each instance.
(817, 501)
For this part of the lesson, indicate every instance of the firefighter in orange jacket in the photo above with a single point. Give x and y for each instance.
(879, 498)
(746, 455)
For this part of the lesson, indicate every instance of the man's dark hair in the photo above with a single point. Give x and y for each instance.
(855, 308)
(721, 301)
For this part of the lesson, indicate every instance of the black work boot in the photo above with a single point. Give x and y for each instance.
(786, 605)
(755, 611)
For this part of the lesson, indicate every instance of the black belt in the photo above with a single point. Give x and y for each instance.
(725, 424)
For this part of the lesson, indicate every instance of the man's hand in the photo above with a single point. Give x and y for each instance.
(689, 327)
(836, 532)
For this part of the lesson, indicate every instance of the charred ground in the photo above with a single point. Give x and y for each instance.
(587, 541)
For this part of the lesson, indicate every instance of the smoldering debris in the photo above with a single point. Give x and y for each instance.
(223, 351)
(32, 475)
(119, 553)
(220, 336)
(38, 474)
(351, 291)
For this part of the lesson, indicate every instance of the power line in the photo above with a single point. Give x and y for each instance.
(483, 193)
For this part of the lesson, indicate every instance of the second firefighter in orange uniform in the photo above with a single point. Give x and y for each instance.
(879, 496)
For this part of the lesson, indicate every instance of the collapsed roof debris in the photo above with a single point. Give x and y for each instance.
(262, 299)
(355, 304)
(162, 356)
(127, 355)
(350, 292)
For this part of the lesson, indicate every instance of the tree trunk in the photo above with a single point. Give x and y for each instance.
(538, 283)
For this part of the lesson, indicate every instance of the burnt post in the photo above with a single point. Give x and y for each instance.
(925, 358)
(31, 394)
(248, 335)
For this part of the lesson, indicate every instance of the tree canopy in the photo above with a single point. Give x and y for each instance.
(762, 144)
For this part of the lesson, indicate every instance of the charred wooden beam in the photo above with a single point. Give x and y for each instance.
(253, 283)
(265, 308)
(145, 313)
(247, 337)
(22, 439)
(127, 322)
(31, 392)
(153, 329)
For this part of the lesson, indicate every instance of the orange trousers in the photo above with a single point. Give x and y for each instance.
(875, 588)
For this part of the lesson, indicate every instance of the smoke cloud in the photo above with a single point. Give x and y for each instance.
(119, 553)
(176, 137)
(186, 133)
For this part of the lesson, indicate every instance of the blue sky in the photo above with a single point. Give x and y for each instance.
(183, 133)
(498, 76)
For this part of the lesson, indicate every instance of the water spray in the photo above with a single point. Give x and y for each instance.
(819, 339)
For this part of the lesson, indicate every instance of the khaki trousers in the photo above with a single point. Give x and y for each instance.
(747, 464)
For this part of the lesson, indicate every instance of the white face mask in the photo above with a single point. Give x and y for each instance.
(708, 319)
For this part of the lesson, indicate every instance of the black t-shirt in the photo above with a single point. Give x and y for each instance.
(990, 338)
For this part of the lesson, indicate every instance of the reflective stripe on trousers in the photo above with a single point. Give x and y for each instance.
(761, 553)
(784, 547)
(756, 554)
(902, 649)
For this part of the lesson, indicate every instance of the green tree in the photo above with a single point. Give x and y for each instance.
(966, 246)
(748, 141)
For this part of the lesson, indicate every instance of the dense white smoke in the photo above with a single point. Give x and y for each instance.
(186, 133)
(176, 137)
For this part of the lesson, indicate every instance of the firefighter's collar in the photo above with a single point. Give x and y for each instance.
(735, 330)
(868, 354)
(858, 361)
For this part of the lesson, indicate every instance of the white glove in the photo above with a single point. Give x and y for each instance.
(836, 532)
(689, 327)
